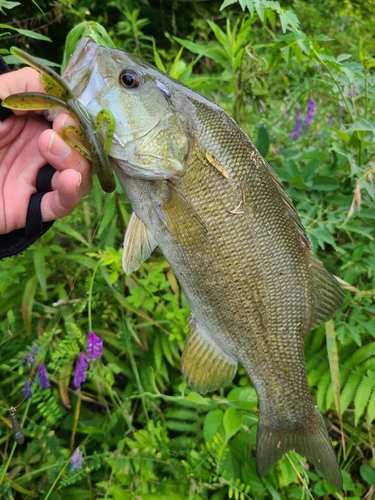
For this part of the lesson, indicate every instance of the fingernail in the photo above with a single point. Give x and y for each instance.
(80, 179)
(58, 147)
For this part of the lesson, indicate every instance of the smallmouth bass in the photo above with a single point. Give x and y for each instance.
(202, 193)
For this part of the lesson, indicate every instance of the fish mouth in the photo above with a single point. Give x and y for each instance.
(82, 73)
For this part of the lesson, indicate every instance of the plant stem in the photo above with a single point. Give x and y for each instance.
(326, 67)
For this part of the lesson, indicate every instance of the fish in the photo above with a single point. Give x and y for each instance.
(203, 194)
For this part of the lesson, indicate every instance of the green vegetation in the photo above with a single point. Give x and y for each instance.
(299, 78)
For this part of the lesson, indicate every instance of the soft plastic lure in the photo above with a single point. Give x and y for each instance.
(59, 95)
(16, 426)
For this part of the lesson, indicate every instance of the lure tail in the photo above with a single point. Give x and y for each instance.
(313, 442)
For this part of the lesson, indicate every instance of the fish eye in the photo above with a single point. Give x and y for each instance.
(130, 79)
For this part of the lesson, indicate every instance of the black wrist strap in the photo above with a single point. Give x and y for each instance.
(17, 241)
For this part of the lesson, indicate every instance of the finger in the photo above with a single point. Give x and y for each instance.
(64, 198)
(23, 80)
(62, 157)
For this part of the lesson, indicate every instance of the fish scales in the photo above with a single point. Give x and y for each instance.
(200, 191)
(252, 272)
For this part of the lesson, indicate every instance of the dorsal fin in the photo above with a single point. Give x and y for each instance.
(289, 205)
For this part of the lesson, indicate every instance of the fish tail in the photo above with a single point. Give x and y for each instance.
(313, 442)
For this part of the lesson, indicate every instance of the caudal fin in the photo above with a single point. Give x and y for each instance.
(312, 443)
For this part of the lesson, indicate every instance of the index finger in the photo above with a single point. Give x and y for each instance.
(22, 80)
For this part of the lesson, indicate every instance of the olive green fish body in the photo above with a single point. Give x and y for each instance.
(202, 193)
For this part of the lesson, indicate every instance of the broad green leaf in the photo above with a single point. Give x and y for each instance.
(367, 474)
(325, 183)
(7, 4)
(232, 422)
(263, 141)
(212, 421)
(197, 398)
(244, 398)
(343, 57)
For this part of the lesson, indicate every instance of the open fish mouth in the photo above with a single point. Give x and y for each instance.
(82, 73)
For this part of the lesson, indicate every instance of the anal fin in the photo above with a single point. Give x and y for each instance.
(138, 244)
(205, 366)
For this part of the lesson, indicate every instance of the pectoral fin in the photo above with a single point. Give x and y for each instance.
(205, 366)
(183, 221)
(138, 244)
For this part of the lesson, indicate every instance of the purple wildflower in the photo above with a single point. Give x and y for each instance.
(27, 389)
(311, 112)
(80, 370)
(43, 376)
(94, 346)
(29, 357)
(297, 125)
(76, 460)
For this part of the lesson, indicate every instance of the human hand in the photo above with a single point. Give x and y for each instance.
(26, 144)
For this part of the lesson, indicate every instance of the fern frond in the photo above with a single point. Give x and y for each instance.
(362, 354)
(325, 382)
(371, 407)
(362, 396)
(349, 390)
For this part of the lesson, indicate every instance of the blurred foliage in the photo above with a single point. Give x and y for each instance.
(142, 432)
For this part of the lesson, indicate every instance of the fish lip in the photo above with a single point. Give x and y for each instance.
(82, 59)
(84, 64)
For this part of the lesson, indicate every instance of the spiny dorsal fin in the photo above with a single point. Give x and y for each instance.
(291, 208)
(138, 244)
(204, 365)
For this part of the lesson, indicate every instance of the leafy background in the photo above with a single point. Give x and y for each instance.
(142, 432)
